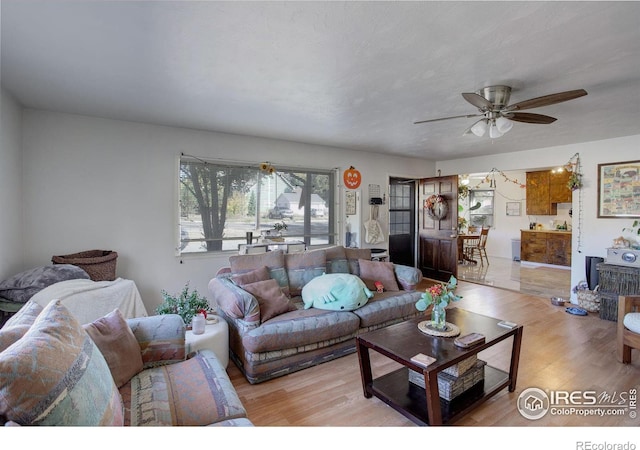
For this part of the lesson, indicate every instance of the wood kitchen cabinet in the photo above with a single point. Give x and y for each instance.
(552, 247)
(545, 189)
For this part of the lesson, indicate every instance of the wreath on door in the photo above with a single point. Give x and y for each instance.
(436, 206)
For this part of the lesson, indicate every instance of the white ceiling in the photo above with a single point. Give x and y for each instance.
(346, 74)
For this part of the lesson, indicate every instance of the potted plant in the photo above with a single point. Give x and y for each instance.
(439, 295)
(634, 231)
(186, 304)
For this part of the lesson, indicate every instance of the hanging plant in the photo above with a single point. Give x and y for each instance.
(463, 191)
(436, 206)
(575, 181)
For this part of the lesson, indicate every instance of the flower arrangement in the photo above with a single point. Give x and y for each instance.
(439, 295)
(186, 304)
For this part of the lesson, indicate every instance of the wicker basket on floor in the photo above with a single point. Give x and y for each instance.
(589, 300)
(100, 265)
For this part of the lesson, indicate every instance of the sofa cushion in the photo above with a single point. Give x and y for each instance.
(388, 307)
(372, 271)
(631, 321)
(336, 292)
(274, 261)
(24, 285)
(117, 344)
(19, 324)
(270, 297)
(161, 338)
(300, 328)
(190, 393)
(336, 257)
(303, 267)
(259, 274)
(354, 255)
(66, 376)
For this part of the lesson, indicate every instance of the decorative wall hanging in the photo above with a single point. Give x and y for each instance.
(350, 203)
(436, 206)
(352, 178)
(619, 189)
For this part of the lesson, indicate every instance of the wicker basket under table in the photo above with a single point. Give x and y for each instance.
(100, 265)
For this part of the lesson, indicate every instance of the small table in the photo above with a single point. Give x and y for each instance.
(215, 338)
(402, 341)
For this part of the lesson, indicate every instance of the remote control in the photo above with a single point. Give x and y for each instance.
(507, 324)
(469, 340)
(423, 360)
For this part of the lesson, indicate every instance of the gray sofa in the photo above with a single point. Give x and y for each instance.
(300, 337)
(135, 372)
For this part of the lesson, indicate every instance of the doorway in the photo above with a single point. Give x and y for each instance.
(402, 221)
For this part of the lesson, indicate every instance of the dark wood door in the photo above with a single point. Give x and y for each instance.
(402, 221)
(438, 246)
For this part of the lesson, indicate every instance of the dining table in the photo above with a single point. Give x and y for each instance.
(462, 256)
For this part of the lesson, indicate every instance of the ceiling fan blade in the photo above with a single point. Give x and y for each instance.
(529, 118)
(478, 101)
(546, 100)
(466, 116)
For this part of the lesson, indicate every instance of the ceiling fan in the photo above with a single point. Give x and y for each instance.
(498, 116)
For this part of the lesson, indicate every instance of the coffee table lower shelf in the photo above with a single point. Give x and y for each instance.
(410, 399)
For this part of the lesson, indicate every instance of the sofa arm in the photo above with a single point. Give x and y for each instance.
(161, 338)
(407, 276)
(234, 301)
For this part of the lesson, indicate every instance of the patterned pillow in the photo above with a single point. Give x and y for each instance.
(19, 324)
(337, 259)
(273, 260)
(261, 274)
(303, 267)
(355, 254)
(22, 286)
(117, 344)
(65, 377)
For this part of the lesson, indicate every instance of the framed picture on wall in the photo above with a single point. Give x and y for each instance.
(513, 208)
(350, 203)
(619, 189)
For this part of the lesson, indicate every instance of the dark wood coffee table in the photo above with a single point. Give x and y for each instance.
(402, 341)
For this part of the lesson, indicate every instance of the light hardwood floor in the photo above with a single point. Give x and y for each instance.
(559, 352)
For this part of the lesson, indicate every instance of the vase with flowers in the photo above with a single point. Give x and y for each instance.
(439, 295)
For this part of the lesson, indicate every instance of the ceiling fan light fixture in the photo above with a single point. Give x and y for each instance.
(493, 131)
(503, 124)
(480, 127)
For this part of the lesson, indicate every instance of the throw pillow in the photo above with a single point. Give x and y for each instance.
(354, 255)
(65, 377)
(303, 267)
(372, 271)
(336, 292)
(260, 274)
(24, 285)
(274, 261)
(336, 259)
(271, 299)
(19, 324)
(118, 345)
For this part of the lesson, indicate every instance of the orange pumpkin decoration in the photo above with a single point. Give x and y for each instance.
(352, 178)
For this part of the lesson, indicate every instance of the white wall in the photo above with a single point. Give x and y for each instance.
(11, 261)
(591, 235)
(93, 183)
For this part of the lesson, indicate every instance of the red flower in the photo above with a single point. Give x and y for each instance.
(203, 312)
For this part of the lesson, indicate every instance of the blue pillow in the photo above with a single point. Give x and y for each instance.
(336, 292)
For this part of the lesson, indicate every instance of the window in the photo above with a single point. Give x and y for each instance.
(220, 202)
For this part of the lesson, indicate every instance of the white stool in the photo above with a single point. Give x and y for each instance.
(215, 338)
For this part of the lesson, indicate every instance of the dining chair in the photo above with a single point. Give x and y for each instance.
(628, 336)
(480, 247)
